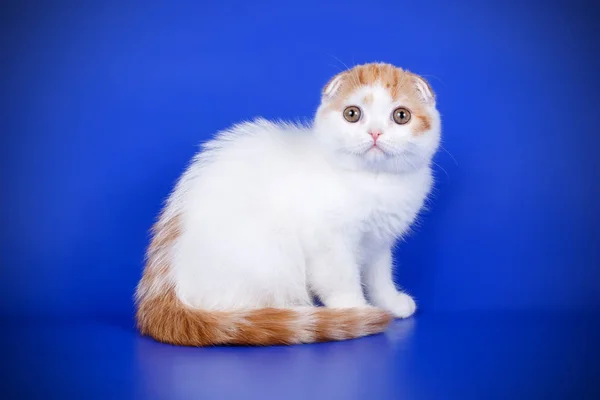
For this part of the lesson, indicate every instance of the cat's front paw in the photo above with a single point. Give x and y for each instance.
(401, 305)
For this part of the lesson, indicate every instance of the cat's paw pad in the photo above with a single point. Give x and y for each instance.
(402, 306)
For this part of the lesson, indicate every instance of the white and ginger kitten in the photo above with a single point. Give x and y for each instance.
(269, 216)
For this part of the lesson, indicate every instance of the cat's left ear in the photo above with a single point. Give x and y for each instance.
(333, 86)
(426, 94)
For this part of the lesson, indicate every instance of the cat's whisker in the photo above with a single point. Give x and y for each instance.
(408, 161)
(442, 168)
(336, 67)
(340, 61)
(451, 156)
(435, 77)
(354, 78)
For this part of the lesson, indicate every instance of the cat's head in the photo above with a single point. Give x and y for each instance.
(379, 117)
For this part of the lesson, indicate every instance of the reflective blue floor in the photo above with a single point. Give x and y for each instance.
(432, 356)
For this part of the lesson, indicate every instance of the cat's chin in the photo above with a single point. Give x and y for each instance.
(380, 160)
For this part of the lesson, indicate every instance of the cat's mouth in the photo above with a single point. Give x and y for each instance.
(371, 150)
(376, 148)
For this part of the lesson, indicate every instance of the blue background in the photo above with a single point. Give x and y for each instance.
(104, 103)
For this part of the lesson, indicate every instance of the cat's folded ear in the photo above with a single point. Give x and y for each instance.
(333, 86)
(426, 94)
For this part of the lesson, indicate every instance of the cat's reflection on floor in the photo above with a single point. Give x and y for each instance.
(325, 370)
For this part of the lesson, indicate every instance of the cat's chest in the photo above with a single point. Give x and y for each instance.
(386, 206)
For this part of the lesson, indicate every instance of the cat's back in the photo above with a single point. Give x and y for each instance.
(258, 149)
(258, 163)
(253, 143)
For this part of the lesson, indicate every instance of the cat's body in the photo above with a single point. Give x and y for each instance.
(269, 215)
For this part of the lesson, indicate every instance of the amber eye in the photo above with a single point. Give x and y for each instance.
(401, 115)
(352, 114)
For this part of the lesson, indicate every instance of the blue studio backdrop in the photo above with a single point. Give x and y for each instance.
(104, 103)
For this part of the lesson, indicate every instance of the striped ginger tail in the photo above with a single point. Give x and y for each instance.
(168, 320)
(161, 315)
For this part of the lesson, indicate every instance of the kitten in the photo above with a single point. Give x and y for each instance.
(269, 215)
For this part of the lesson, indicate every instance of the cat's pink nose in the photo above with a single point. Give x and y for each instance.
(375, 135)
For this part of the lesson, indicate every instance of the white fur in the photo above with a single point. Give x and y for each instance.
(275, 213)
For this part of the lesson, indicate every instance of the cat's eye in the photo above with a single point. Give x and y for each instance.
(352, 114)
(401, 115)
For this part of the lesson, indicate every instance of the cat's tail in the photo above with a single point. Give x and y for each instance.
(168, 320)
